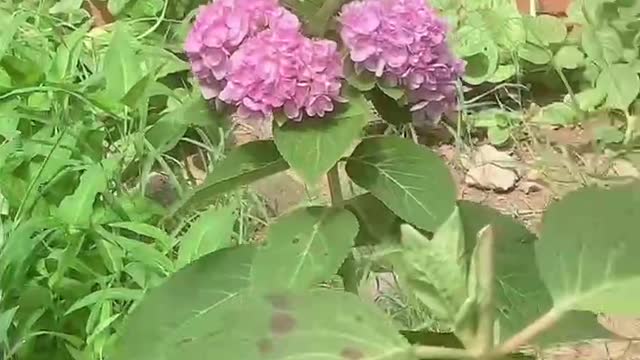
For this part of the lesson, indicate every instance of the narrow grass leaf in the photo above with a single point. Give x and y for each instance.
(122, 294)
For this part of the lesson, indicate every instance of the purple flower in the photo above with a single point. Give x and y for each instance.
(281, 69)
(403, 42)
(218, 31)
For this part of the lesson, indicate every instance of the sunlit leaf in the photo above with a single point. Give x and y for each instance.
(587, 250)
(210, 232)
(76, 209)
(621, 84)
(121, 65)
(409, 179)
(106, 294)
(304, 248)
(313, 146)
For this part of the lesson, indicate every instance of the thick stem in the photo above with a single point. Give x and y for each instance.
(486, 283)
(524, 337)
(349, 269)
(335, 186)
(437, 352)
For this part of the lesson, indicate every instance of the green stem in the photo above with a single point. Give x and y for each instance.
(631, 128)
(349, 269)
(437, 352)
(486, 283)
(572, 94)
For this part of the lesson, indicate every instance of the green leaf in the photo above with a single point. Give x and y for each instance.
(590, 99)
(602, 45)
(498, 135)
(139, 91)
(121, 65)
(212, 231)
(10, 26)
(139, 251)
(65, 6)
(621, 84)
(521, 295)
(608, 134)
(395, 93)
(245, 164)
(106, 294)
(304, 248)
(409, 179)
(147, 230)
(76, 209)
(546, 29)
(435, 270)
(362, 80)
(557, 113)
(569, 57)
(378, 225)
(534, 54)
(389, 109)
(314, 146)
(502, 73)
(587, 250)
(6, 318)
(191, 303)
(115, 7)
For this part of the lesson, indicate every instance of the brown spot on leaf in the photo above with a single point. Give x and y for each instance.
(279, 301)
(282, 323)
(265, 346)
(350, 353)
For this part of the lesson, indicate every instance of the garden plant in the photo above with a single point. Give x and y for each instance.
(93, 267)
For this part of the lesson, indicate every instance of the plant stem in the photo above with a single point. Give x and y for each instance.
(572, 94)
(630, 131)
(348, 271)
(335, 186)
(437, 352)
(529, 333)
(486, 284)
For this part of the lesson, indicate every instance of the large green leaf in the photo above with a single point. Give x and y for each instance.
(602, 45)
(621, 84)
(521, 296)
(588, 249)
(314, 146)
(409, 179)
(212, 231)
(76, 209)
(190, 304)
(121, 65)
(434, 270)
(304, 247)
(245, 164)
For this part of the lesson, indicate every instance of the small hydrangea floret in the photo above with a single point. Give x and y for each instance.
(403, 42)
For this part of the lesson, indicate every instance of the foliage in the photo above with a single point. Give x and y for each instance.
(93, 267)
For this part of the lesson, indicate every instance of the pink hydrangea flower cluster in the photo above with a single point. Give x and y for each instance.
(274, 67)
(403, 42)
(218, 31)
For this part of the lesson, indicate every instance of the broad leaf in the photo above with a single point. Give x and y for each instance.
(121, 65)
(245, 164)
(314, 146)
(304, 248)
(434, 271)
(388, 108)
(546, 29)
(212, 231)
(569, 57)
(409, 179)
(521, 295)
(588, 248)
(76, 209)
(534, 54)
(621, 84)
(190, 304)
(602, 45)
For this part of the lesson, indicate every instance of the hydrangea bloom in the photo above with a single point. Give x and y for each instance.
(218, 31)
(281, 68)
(404, 43)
